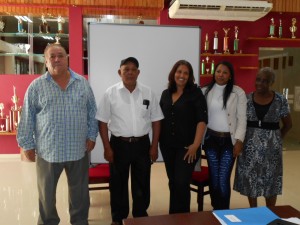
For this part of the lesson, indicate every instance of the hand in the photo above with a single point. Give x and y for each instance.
(191, 153)
(153, 153)
(89, 145)
(237, 148)
(109, 154)
(29, 154)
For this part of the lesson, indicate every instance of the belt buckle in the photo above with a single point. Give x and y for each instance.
(133, 139)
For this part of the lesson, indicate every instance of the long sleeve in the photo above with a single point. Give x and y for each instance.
(25, 135)
(92, 121)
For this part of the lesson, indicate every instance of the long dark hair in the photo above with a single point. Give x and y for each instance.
(229, 86)
(191, 80)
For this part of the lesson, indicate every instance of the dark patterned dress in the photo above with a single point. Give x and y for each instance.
(259, 167)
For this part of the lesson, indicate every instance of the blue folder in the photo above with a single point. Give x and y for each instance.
(248, 216)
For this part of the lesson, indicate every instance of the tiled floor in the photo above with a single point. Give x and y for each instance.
(18, 193)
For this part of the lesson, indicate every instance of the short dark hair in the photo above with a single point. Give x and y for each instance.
(191, 80)
(130, 59)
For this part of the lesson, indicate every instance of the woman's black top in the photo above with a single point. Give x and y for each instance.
(181, 117)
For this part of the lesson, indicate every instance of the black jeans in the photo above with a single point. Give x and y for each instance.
(133, 157)
(179, 172)
(219, 153)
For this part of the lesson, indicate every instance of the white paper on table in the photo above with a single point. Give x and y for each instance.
(292, 220)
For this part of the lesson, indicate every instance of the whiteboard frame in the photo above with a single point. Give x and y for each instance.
(157, 48)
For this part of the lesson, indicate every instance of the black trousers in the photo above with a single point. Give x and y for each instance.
(133, 157)
(179, 172)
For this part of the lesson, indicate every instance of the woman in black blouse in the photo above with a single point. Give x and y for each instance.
(185, 111)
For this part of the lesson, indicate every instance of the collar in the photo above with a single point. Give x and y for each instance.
(121, 86)
(72, 74)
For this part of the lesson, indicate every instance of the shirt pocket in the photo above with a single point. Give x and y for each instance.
(143, 110)
(78, 100)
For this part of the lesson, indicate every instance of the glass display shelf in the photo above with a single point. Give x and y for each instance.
(41, 35)
(36, 57)
(273, 39)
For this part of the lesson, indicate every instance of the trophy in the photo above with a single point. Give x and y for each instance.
(293, 28)
(216, 42)
(27, 47)
(1, 110)
(2, 24)
(60, 21)
(225, 43)
(57, 38)
(7, 129)
(20, 26)
(3, 120)
(236, 40)
(44, 27)
(280, 29)
(202, 67)
(272, 28)
(212, 69)
(206, 43)
(15, 112)
(15, 99)
(207, 65)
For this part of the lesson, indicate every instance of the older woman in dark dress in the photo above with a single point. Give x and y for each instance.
(259, 167)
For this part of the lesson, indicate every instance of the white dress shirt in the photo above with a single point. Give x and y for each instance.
(129, 113)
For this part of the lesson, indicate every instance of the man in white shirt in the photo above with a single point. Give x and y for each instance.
(129, 110)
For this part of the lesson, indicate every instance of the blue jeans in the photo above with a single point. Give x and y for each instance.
(219, 152)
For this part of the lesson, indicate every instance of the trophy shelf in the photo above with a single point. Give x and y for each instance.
(228, 55)
(249, 68)
(206, 75)
(7, 133)
(241, 67)
(273, 39)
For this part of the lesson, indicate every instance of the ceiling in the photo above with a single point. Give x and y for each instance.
(133, 10)
(147, 9)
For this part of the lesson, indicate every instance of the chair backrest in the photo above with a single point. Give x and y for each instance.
(200, 180)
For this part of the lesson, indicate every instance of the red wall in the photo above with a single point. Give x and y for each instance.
(244, 78)
(8, 144)
(260, 28)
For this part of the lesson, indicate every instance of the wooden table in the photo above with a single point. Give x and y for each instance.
(200, 218)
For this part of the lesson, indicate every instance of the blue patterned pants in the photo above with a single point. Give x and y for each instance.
(219, 152)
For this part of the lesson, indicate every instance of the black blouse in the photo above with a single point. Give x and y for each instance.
(181, 118)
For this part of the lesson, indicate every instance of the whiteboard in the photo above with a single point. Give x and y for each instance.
(157, 48)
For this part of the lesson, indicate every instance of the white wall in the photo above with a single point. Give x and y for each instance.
(156, 47)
